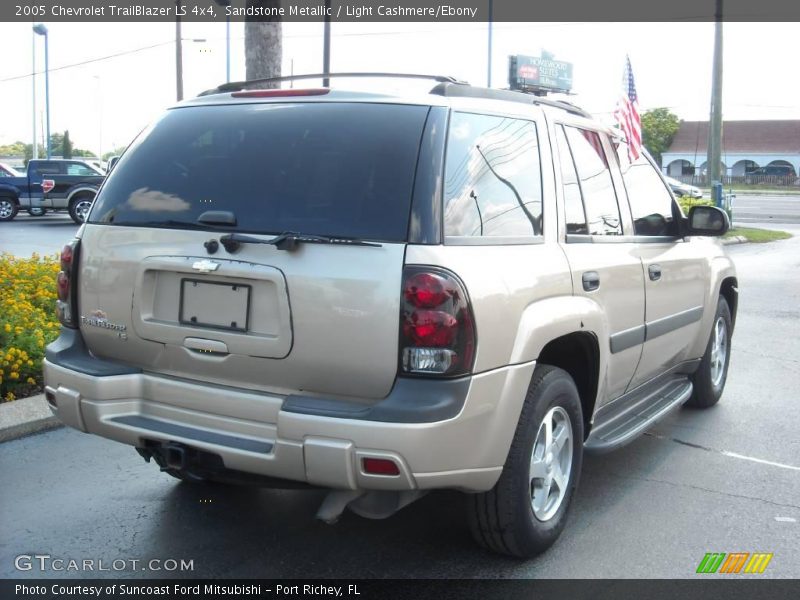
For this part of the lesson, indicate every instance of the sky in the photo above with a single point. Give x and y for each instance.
(106, 103)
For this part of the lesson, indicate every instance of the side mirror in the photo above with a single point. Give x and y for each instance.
(707, 220)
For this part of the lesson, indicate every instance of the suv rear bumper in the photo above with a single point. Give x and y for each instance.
(320, 442)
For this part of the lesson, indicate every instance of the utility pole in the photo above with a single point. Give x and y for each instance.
(715, 118)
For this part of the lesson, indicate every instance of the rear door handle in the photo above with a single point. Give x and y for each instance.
(654, 271)
(591, 281)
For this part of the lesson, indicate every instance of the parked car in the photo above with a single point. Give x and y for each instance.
(8, 171)
(778, 174)
(51, 184)
(681, 189)
(476, 300)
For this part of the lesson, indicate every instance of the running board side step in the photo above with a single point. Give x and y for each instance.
(626, 418)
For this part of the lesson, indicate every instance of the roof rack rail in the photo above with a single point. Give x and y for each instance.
(467, 91)
(235, 86)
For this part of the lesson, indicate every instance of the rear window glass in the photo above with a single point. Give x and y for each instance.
(492, 181)
(335, 169)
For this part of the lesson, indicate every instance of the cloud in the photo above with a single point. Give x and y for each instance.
(145, 199)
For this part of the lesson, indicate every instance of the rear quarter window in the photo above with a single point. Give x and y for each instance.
(492, 181)
(340, 169)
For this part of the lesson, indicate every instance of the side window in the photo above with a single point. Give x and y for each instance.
(597, 188)
(651, 202)
(573, 202)
(79, 169)
(492, 183)
(46, 168)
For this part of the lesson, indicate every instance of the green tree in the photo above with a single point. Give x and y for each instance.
(115, 152)
(659, 126)
(66, 145)
(15, 149)
(56, 143)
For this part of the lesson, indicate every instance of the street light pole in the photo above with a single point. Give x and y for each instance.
(489, 67)
(40, 29)
(223, 4)
(326, 46)
(178, 53)
(33, 70)
(227, 49)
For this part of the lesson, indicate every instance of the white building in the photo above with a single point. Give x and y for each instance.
(746, 146)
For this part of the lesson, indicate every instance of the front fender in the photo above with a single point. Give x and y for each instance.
(722, 268)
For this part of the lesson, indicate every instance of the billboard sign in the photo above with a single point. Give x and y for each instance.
(539, 73)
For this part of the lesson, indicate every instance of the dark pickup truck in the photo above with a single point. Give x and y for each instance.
(51, 185)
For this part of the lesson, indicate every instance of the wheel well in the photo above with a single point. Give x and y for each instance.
(729, 290)
(10, 197)
(81, 194)
(578, 354)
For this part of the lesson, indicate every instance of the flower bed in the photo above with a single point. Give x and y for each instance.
(28, 321)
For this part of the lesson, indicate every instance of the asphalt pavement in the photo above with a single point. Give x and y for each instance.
(773, 210)
(722, 480)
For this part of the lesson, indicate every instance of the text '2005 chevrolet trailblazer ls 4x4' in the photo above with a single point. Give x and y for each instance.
(386, 295)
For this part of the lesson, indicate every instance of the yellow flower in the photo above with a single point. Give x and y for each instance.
(10, 396)
(31, 380)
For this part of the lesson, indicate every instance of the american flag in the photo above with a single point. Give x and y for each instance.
(627, 113)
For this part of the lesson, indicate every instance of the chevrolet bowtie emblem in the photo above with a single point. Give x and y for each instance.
(205, 266)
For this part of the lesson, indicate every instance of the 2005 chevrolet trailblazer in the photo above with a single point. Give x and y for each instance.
(386, 295)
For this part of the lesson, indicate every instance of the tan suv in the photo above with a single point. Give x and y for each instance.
(383, 295)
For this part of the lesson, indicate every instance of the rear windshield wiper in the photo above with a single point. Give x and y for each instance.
(288, 240)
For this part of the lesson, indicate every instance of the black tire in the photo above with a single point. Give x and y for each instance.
(37, 212)
(8, 208)
(708, 388)
(503, 519)
(77, 206)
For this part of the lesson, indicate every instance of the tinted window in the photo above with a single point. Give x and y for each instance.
(492, 181)
(316, 168)
(650, 200)
(573, 203)
(80, 169)
(45, 168)
(599, 197)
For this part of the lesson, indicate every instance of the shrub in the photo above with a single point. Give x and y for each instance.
(28, 321)
(688, 202)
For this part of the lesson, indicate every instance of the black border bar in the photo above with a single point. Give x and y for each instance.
(414, 11)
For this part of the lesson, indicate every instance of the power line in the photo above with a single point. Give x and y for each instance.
(91, 60)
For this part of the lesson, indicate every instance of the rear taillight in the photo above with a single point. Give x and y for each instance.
(437, 332)
(48, 185)
(67, 279)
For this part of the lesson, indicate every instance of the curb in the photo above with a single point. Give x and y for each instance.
(737, 239)
(25, 417)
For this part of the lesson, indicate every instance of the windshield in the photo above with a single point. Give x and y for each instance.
(338, 169)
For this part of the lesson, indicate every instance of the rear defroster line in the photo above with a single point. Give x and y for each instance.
(723, 452)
